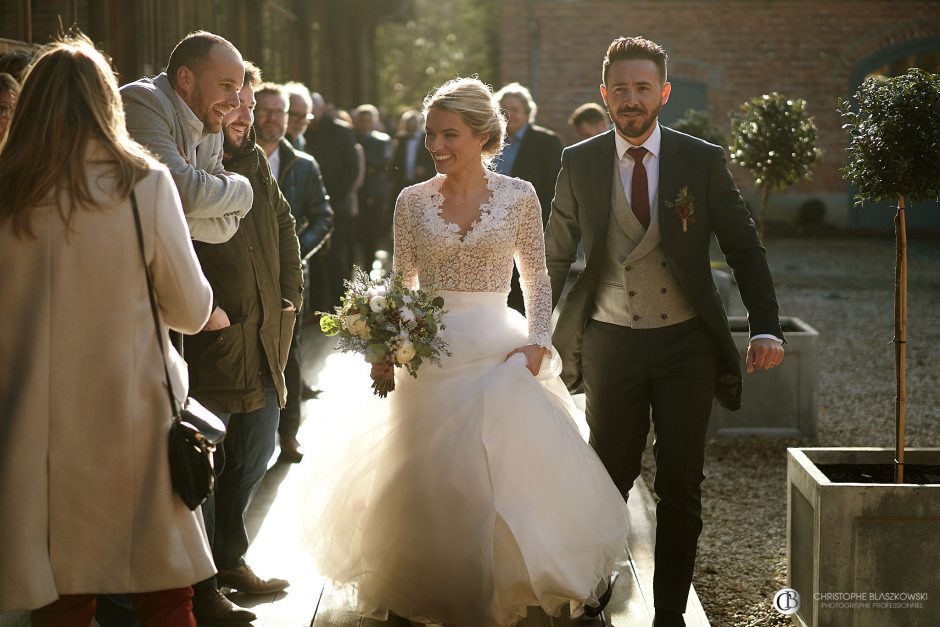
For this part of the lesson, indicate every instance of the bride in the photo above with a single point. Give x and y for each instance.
(475, 497)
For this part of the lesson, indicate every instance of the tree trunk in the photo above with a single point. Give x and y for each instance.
(765, 195)
(900, 334)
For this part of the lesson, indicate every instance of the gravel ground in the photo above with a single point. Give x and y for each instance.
(843, 286)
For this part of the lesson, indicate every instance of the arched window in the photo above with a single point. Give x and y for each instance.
(893, 61)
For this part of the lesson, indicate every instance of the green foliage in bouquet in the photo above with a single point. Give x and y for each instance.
(697, 124)
(775, 139)
(387, 322)
(894, 149)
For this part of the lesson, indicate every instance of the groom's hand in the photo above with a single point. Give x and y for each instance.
(763, 354)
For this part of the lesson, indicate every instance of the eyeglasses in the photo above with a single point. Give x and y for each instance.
(273, 113)
(297, 115)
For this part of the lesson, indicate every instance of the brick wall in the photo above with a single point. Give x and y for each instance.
(738, 48)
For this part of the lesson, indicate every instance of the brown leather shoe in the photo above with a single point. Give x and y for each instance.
(212, 607)
(245, 580)
(290, 451)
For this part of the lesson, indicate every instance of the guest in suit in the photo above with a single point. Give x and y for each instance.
(532, 153)
(588, 120)
(332, 143)
(374, 222)
(643, 329)
(411, 162)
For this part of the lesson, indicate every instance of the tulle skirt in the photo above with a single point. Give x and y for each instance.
(469, 495)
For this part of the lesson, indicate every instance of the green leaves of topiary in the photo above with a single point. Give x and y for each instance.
(894, 137)
(775, 139)
(697, 124)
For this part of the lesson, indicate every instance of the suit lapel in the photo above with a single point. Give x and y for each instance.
(602, 179)
(669, 179)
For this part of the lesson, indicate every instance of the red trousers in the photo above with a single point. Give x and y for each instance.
(163, 608)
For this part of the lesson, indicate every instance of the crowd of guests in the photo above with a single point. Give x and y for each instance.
(255, 200)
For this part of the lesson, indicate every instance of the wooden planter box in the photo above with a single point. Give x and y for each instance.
(878, 542)
(780, 402)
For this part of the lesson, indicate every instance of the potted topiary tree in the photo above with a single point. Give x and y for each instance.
(697, 124)
(775, 139)
(858, 523)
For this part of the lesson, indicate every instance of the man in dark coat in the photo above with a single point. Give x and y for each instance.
(298, 176)
(236, 363)
(411, 161)
(532, 153)
(333, 144)
(643, 330)
(374, 222)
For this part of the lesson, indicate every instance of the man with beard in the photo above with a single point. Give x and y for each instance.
(298, 176)
(236, 368)
(643, 329)
(178, 117)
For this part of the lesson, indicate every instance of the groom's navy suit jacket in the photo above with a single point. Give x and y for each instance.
(581, 211)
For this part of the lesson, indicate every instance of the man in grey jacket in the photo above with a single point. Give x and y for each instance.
(178, 117)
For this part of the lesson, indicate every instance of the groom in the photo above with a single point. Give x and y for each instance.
(643, 331)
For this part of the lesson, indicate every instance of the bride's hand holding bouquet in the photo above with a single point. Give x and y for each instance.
(391, 325)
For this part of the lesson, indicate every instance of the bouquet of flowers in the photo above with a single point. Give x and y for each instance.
(383, 320)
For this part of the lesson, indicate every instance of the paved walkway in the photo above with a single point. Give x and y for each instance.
(275, 523)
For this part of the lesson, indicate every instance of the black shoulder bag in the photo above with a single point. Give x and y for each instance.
(195, 431)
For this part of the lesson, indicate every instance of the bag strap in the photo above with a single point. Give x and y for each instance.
(153, 308)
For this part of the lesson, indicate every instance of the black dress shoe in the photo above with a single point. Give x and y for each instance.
(245, 580)
(212, 607)
(666, 618)
(592, 611)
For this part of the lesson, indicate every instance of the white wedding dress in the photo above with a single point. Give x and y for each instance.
(473, 496)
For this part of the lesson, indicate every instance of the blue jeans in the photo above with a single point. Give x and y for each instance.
(248, 447)
(240, 464)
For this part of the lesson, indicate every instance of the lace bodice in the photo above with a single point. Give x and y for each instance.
(430, 252)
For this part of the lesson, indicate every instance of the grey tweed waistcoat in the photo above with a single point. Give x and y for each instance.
(635, 287)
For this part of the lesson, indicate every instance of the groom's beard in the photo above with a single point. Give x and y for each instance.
(634, 126)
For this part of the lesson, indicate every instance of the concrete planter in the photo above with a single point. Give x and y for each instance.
(879, 542)
(779, 402)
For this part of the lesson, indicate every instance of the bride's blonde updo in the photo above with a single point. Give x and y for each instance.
(473, 101)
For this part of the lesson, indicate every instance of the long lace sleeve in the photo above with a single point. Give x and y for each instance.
(529, 254)
(404, 247)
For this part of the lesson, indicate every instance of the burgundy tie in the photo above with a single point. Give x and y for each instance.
(639, 187)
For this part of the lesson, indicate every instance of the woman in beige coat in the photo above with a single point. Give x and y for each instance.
(86, 504)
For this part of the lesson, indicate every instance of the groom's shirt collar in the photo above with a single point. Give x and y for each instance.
(653, 143)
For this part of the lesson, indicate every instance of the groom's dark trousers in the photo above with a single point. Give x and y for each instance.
(672, 369)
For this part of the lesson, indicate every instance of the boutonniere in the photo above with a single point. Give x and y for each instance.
(683, 208)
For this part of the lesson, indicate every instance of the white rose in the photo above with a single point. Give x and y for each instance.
(377, 304)
(376, 290)
(356, 325)
(406, 315)
(405, 353)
